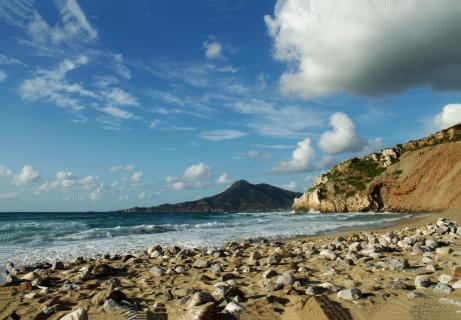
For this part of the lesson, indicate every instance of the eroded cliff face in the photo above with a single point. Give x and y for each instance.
(421, 175)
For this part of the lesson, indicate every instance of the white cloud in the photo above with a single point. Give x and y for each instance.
(376, 45)
(218, 135)
(223, 179)
(8, 195)
(372, 145)
(178, 186)
(343, 137)
(5, 172)
(119, 65)
(198, 171)
(121, 168)
(253, 154)
(117, 112)
(3, 75)
(271, 120)
(450, 115)
(142, 195)
(301, 159)
(290, 186)
(154, 123)
(28, 174)
(137, 176)
(213, 50)
(97, 194)
(74, 22)
(119, 97)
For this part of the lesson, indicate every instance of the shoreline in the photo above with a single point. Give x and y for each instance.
(357, 272)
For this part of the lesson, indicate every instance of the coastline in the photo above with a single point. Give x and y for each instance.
(152, 277)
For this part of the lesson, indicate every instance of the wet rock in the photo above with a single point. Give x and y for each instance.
(157, 271)
(442, 288)
(57, 265)
(350, 294)
(286, 278)
(422, 281)
(79, 314)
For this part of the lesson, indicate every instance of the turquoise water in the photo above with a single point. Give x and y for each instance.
(30, 237)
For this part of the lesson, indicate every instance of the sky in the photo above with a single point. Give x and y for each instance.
(107, 105)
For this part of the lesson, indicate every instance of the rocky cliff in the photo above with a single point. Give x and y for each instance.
(241, 196)
(419, 176)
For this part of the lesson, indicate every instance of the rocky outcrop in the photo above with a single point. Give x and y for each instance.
(420, 175)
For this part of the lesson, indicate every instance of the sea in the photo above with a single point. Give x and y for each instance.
(27, 238)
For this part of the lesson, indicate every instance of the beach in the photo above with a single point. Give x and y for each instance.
(407, 270)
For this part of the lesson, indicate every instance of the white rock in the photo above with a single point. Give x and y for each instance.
(79, 314)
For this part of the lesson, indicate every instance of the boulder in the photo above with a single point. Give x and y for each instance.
(422, 281)
(442, 288)
(286, 278)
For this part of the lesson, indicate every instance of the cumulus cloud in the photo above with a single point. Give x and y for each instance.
(28, 174)
(366, 47)
(218, 135)
(449, 116)
(213, 50)
(5, 172)
(178, 186)
(301, 159)
(343, 137)
(96, 194)
(121, 168)
(198, 171)
(223, 179)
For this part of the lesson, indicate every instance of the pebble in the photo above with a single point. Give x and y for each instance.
(79, 314)
(157, 271)
(350, 294)
(233, 308)
(200, 298)
(201, 263)
(269, 274)
(442, 288)
(286, 278)
(422, 281)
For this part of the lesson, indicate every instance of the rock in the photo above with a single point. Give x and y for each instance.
(12, 280)
(167, 295)
(70, 287)
(233, 308)
(269, 273)
(102, 270)
(205, 311)
(443, 251)
(179, 269)
(114, 283)
(442, 288)
(79, 314)
(398, 264)
(157, 271)
(356, 246)
(431, 243)
(422, 281)
(102, 296)
(200, 298)
(350, 294)
(456, 271)
(201, 263)
(30, 276)
(397, 285)
(216, 268)
(313, 290)
(286, 278)
(445, 278)
(31, 295)
(254, 257)
(57, 265)
(49, 310)
(328, 254)
(274, 259)
(228, 276)
(111, 305)
(456, 285)
(414, 295)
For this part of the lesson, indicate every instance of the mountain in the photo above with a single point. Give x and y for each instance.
(419, 176)
(241, 196)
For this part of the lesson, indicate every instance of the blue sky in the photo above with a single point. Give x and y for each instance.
(108, 105)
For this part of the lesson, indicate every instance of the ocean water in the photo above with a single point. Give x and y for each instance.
(31, 237)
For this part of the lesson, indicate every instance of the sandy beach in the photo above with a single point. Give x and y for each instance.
(407, 270)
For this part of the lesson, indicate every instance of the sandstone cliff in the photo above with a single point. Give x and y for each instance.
(418, 176)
